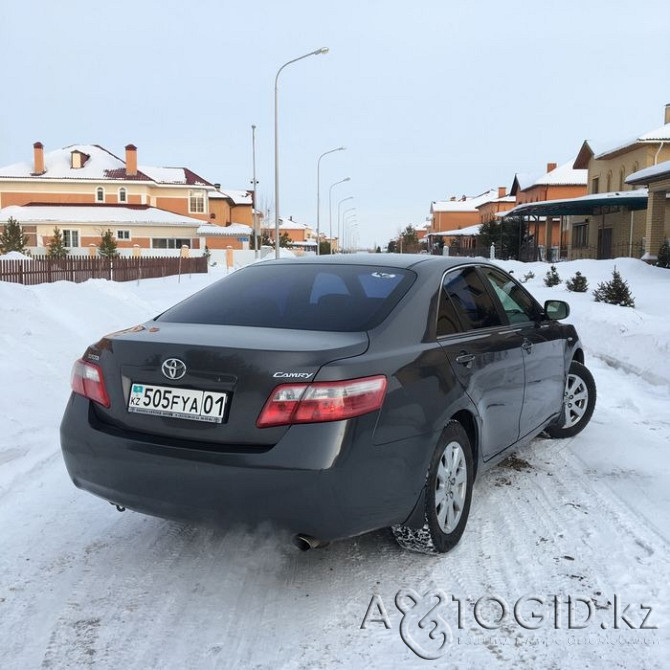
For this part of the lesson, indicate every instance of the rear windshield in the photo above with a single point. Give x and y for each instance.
(344, 298)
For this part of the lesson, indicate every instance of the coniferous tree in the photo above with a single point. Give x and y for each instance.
(552, 278)
(56, 247)
(615, 291)
(663, 259)
(107, 247)
(12, 238)
(577, 284)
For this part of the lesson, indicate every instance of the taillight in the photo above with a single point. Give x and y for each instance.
(322, 401)
(87, 380)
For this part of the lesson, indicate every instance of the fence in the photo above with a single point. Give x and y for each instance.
(40, 269)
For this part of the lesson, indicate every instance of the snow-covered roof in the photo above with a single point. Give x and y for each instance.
(305, 243)
(653, 173)
(233, 230)
(470, 230)
(661, 134)
(238, 197)
(292, 224)
(564, 175)
(99, 214)
(178, 176)
(469, 204)
(504, 198)
(581, 204)
(98, 163)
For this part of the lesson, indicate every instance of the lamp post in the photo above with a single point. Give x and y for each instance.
(257, 251)
(345, 222)
(318, 195)
(340, 217)
(322, 50)
(354, 227)
(330, 209)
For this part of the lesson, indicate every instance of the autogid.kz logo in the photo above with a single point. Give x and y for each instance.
(173, 368)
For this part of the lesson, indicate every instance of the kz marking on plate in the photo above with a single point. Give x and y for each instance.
(177, 403)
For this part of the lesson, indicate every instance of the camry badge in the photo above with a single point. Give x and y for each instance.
(173, 368)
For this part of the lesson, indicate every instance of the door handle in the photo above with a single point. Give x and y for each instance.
(465, 359)
(527, 346)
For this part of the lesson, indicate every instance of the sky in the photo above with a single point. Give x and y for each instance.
(431, 98)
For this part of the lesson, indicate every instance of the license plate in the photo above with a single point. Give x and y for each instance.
(177, 403)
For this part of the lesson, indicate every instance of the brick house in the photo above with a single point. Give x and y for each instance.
(619, 230)
(86, 189)
(557, 183)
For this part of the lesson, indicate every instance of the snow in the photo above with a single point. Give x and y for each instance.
(14, 255)
(233, 230)
(662, 170)
(57, 164)
(95, 214)
(564, 175)
(661, 134)
(238, 197)
(167, 175)
(84, 586)
(469, 204)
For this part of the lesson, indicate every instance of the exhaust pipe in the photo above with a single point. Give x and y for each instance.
(307, 542)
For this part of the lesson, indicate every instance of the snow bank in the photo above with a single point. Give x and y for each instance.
(638, 340)
(14, 256)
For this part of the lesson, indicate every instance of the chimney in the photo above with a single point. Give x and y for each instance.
(38, 149)
(667, 113)
(502, 191)
(217, 187)
(131, 160)
(551, 167)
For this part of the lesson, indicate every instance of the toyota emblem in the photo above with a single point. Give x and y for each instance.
(173, 368)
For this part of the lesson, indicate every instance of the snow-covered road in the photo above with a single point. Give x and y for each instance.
(84, 586)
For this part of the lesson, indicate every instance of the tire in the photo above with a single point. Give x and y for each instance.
(447, 496)
(579, 401)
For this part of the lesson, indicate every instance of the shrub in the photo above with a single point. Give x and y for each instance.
(527, 276)
(615, 291)
(577, 284)
(552, 277)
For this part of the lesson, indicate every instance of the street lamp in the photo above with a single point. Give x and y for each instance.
(322, 50)
(350, 220)
(353, 227)
(330, 209)
(255, 186)
(340, 217)
(318, 195)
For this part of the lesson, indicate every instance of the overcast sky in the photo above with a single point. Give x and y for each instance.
(431, 99)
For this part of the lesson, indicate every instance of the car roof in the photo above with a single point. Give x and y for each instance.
(385, 259)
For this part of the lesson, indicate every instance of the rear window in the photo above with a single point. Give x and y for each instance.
(343, 298)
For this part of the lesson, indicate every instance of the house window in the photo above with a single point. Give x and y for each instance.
(71, 238)
(196, 202)
(595, 184)
(122, 234)
(169, 243)
(609, 182)
(100, 194)
(122, 195)
(580, 235)
(622, 176)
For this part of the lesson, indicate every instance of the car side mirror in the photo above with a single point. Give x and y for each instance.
(555, 310)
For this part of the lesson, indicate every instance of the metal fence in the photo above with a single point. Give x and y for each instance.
(41, 269)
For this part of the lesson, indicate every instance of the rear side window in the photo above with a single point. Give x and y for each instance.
(466, 296)
(302, 296)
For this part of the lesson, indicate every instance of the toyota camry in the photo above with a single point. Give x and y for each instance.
(331, 395)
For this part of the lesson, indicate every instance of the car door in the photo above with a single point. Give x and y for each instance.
(543, 347)
(485, 355)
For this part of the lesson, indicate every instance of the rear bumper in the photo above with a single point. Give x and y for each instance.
(325, 480)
